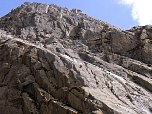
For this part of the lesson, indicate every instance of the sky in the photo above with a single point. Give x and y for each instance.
(121, 13)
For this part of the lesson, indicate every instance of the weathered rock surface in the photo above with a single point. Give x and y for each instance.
(59, 61)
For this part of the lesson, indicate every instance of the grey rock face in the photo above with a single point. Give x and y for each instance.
(59, 61)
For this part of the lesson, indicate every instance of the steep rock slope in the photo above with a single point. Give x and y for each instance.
(59, 61)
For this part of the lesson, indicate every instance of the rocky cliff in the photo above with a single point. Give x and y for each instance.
(59, 61)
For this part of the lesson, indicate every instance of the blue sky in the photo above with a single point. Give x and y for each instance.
(110, 11)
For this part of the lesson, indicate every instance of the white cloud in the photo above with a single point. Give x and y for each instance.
(141, 10)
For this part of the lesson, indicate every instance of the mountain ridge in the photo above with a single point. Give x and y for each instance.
(59, 61)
